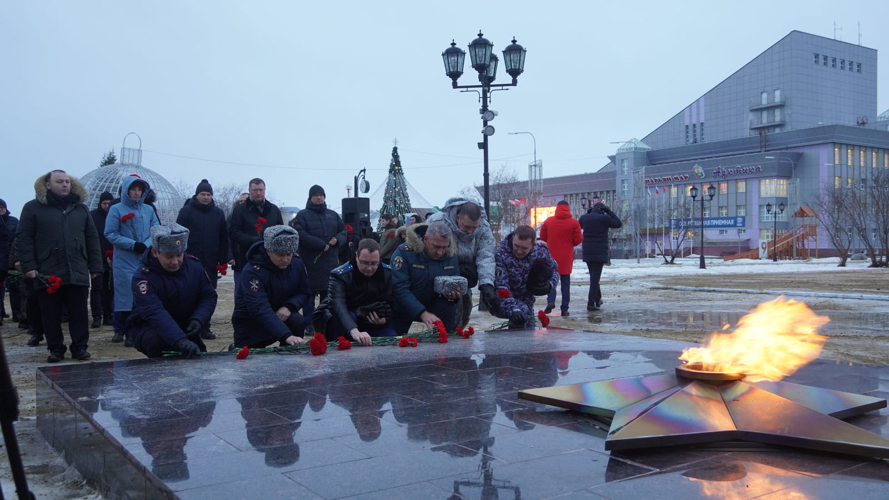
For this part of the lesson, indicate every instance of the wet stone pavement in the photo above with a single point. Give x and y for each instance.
(436, 421)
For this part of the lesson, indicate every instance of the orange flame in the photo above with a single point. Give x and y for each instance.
(770, 343)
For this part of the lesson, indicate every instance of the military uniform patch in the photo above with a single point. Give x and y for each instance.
(254, 285)
(144, 269)
(142, 286)
(397, 262)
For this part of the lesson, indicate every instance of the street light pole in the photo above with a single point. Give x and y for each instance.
(775, 230)
(711, 191)
(486, 64)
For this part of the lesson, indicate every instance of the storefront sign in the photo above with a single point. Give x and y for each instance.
(723, 172)
(667, 179)
(709, 222)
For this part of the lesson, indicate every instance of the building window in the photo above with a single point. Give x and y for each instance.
(777, 114)
(674, 191)
(686, 134)
(857, 67)
(723, 211)
(741, 210)
(764, 98)
(850, 66)
(740, 186)
(765, 216)
(674, 235)
(842, 64)
(836, 156)
(624, 204)
(885, 160)
(765, 234)
(849, 182)
(777, 95)
(764, 116)
(833, 62)
(702, 131)
(848, 157)
(688, 190)
(624, 167)
(741, 231)
(723, 231)
(723, 188)
(624, 189)
(863, 184)
(817, 59)
(824, 60)
(862, 159)
(706, 211)
(837, 182)
(873, 159)
(694, 133)
(769, 188)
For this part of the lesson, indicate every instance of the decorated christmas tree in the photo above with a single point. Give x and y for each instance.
(396, 200)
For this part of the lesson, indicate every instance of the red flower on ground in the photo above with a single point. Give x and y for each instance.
(471, 330)
(466, 335)
(404, 342)
(343, 344)
(243, 353)
(459, 330)
(318, 345)
(442, 333)
(503, 293)
(544, 319)
(349, 228)
(412, 341)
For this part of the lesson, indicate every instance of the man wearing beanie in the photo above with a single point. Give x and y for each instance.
(173, 300)
(321, 232)
(272, 290)
(101, 289)
(209, 233)
(561, 234)
(245, 225)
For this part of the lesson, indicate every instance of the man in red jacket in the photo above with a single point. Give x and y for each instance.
(561, 234)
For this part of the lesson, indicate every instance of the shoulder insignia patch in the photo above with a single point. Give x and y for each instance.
(254, 285)
(144, 269)
(142, 286)
(343, 269)
(397, 262)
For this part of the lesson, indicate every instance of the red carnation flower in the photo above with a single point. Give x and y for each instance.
(404, 342)
(471, 330)
(349, 228)
(459, 330)
(318, 345)
(243, 353)
(544, 319)
(127, 217)
(412, 341)
(343, 344)
(261, 220)
(442, 333)
(503, 293)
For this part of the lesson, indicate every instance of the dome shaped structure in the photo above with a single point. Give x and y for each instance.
(109, 178)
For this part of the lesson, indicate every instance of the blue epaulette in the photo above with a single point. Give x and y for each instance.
(345, 268)
(386, 266)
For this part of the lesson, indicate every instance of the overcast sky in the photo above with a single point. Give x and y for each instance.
(311, 92)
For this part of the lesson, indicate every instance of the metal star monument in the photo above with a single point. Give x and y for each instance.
(697, 407)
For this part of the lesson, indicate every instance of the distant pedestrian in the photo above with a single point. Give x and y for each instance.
(57, 237)
(128, 228)
(388, 241)
(595, 225)
(321, 231)
(247, 223)
(561, 234)
(15, 298)
(101, 288)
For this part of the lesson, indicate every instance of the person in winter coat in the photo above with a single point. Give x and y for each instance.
(273, 288)
(561, 234)
(4, 264)
(15, 298)
(429, 252)
(128, 228)
(247, 222)
(321, 233)
(209, 232)
(57, 237)
(525, 269)
(101, 290)
(173, 299)
(595, 225)
(358, 304)
(475, 249)
(388, 241)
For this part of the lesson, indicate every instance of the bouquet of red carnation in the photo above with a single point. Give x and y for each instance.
(349, 228)
(503, 294)
(407, 342)
(259, 223)
(109, 254)
(544, 319)
(442, 333)
(343, 344)
(318, 345)
(222, 269)
(127, 217)
(243, 353)
(52, 284)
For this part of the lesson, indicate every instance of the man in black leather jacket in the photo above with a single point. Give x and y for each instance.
(357, 304)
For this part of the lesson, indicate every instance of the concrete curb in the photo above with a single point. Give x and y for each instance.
(798, 293)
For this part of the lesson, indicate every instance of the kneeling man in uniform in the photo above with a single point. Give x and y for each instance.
(173, 299)
(358, 298)
(274, 286)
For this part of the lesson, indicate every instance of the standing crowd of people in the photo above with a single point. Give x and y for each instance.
(156, 283)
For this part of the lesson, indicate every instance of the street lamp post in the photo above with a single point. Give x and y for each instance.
(775, 230)
(711, 191)
(486, 64)
(583, 203)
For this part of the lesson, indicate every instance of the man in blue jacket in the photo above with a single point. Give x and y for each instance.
(428, 252)
(173, 299)
(273, 288)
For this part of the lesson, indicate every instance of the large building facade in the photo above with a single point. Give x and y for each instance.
(800, 116)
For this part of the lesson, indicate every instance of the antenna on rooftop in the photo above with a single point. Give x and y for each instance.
(835, 29)
(859, 32)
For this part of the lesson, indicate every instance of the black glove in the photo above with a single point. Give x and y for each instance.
(517, 319)
(488, 295)
(139, 247)
(187, 348)
(469, 271)
(542, 288)
(194, 329)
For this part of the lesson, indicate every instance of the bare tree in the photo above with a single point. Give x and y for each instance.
(832, 205)
(504, 186)
(879, 204)
(680, 211)
(861, 218)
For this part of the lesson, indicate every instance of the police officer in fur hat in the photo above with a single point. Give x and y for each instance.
(173, 299)
(272, 290)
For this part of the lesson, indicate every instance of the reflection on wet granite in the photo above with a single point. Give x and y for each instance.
(439, 421)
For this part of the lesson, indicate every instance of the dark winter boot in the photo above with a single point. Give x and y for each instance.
(97, 322)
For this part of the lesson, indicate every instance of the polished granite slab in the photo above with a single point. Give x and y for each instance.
(436, 421)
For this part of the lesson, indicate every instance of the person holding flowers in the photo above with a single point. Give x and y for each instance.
(56, 237)
(525, 270)
(247, 222)
(127, 228)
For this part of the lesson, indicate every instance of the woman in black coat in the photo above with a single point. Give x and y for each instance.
(595, 225)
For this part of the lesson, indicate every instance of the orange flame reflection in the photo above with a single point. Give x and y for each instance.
(770, 343)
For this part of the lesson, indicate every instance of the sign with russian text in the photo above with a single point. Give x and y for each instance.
(709, 222)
